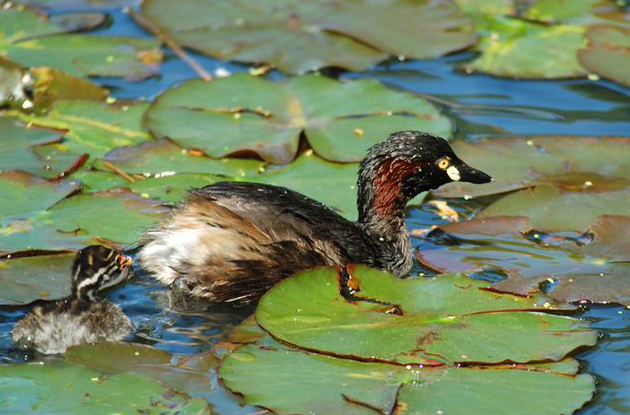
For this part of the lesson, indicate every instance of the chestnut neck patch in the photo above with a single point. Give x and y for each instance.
(388, 196)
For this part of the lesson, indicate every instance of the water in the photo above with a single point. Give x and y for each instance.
(478, 105)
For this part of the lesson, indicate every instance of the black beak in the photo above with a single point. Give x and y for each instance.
(470, 175)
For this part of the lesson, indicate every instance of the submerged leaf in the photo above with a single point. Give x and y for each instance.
(243, 113)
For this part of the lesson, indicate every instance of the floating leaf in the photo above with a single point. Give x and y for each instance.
(24, 280)
(331, 183)
(547, 206)
(80, 4)
(422, 320)
(584, 271)
(78, 22)
(95, 180)
(304, 36)
(53, 85)
(16, 145)
(521, 49)
(243, 113)
(117, 215)
(490, 7)
(588, 175)
(312, 383)
(607, 53)
(519, 162)
(95, 127)
(56, 158)
(172, 188)
(610, 238)
(31, 40)
(163, 156)
(24, 193)
(117, 357)
(575, 11)
(35, 387)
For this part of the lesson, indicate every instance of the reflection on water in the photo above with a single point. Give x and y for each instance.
(479, 105)
(609, 361)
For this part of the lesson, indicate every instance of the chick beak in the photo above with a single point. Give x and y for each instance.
(471, 175)
(124, 261)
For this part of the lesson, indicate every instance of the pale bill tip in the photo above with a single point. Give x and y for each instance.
(453, 173)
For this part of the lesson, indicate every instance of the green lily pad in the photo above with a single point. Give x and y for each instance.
(95, 127)
(587, 270)
(486, 7)
(162, 156)
(607, 53)
(35, 388)
(575, 11)
(31, 40)
(588, 175)
(53, 85)
(80, 21)
(80, 4)
(547, 207)
(16, 150)
(566, 161)
(180, 374)
(553, 11)
(334, 184)
(427, 321)
(312, 383)
(521, 49)
(116, 216)
(56, 158)
(243, 113)
(95, 180)
(171, 188)
(304, 36)
(24, 193)
(27, 279)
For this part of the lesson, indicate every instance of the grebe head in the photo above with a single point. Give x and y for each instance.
(96, 268)
(407, 163)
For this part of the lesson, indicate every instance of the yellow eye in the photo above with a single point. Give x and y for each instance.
(444, 162)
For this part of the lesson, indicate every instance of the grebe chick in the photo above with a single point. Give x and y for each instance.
(232, 241)
(82, 317)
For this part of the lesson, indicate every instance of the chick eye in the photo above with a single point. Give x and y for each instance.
(444, 162)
